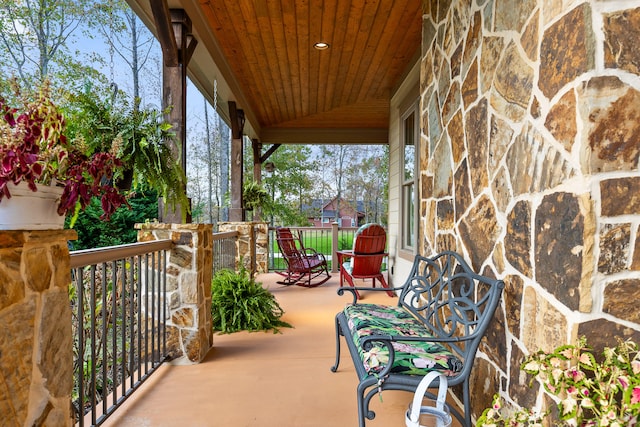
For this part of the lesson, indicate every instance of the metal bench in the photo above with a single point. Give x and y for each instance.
(443, 311)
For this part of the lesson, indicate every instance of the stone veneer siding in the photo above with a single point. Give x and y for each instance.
(189, 273)
(530, 119)
(36, 359)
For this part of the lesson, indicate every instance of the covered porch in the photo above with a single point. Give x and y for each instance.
(513, 126)
(266, 379)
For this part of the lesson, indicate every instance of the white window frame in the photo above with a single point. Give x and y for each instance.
(409, 194)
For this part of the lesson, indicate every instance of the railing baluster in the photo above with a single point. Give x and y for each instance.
(81, 346)
(114, 332)
(93, 343)
(104, 339)
(164, 304)
(139, 335)
(153, 308)
(132, 338)
(123, 342)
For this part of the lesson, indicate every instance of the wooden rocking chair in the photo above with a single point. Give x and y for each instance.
(304, 265)
(365, 260)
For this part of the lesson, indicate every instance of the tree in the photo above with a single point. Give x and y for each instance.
(224, 133)
(290, 184)
(353, 174)
(132, 42)
(208, 183)
(210, 164)
(367, 182)
(196, 183)
(34, 41)
(119, 230)
(335, 160)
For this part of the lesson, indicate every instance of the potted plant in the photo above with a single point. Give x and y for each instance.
(141, 139)
(35, 153)
(589, 391)
(240, 303)
(254, 195)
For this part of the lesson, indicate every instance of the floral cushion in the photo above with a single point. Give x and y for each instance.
(413, 358)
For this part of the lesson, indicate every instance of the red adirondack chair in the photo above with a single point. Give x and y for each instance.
(364, 261)
(304, 265)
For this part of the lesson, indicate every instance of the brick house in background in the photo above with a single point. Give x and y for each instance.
(322, 213)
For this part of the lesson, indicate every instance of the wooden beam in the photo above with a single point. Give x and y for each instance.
(233, 118)
(182, 29)
(257, 160)
(164, 28)
(175, 36)
(257, 173)
(236, 213)
(192, 42)
(269, 152)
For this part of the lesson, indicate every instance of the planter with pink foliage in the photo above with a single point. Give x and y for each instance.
(34, 153)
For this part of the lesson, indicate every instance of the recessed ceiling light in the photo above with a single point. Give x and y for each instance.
(321, 46)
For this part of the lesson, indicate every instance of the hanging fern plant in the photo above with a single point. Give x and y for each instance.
(140, 138)
(254, 195)
(239, 303)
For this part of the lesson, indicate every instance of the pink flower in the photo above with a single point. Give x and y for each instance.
(635, 395)
(624, 382)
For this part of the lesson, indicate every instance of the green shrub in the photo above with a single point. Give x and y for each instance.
(239, 303)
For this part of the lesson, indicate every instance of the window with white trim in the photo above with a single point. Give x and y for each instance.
(409, 126)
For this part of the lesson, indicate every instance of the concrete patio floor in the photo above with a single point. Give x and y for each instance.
(266, 379)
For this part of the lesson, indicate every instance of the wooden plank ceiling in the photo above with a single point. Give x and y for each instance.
(268, 45)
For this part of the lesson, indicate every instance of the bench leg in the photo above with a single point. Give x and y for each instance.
(362, 408)
(334, 368)
(467, 403)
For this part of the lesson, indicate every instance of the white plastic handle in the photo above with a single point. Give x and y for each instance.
(422, 388)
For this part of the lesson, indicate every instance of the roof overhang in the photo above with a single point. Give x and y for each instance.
(312, 99)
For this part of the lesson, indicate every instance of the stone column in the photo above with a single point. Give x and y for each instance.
(36, 358)
(188, 298)
(252, 248)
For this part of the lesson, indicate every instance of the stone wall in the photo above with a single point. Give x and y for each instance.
(252, 248)
(189, 273)
(36, 359)
(529, 166)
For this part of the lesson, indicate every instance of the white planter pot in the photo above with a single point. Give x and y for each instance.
(28, 210)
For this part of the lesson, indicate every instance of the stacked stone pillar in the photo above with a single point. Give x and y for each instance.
(36, 359)
(252, 248)
(188, 297)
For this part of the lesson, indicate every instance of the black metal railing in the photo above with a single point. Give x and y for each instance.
(119, 315)
(224, 250)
